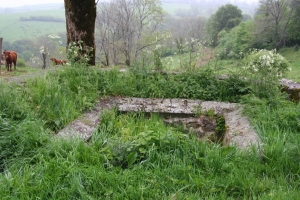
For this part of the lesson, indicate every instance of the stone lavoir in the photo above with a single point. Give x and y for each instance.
(212, 121)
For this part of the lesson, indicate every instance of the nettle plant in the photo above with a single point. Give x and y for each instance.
(77, 53)
(264, 69)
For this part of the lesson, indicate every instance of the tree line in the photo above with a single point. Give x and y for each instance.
(43, 18)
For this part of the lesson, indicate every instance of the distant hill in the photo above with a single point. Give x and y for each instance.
(17, 23)
(28, 8)
(14, 27)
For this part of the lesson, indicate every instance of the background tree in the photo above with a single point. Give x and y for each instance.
(187, 27)
(127, 27)
(294, 26)
(80, 23)
(272, 22)
(107, 34)
(226, 18)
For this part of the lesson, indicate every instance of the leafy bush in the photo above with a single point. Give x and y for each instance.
(77, 54)
(263, 69)
(236, 43)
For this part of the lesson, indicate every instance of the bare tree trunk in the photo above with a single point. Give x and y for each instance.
(80, 22)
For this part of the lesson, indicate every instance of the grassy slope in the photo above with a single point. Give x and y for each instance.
(11, 28)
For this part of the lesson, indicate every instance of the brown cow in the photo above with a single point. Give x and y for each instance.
(10, 58)
(58, 62)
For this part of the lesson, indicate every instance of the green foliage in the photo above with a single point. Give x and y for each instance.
(133, 137)
(264, 69)
(202, 85)
(236, 43)
(226, 18)
(295, 25)
(78, 54)
(273, 21)
(221, 126)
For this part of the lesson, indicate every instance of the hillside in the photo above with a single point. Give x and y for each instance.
(12, 28)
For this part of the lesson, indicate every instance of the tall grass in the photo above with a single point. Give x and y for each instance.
(134, 156)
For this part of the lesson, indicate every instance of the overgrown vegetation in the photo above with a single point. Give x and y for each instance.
(133, 156)
(138, 157)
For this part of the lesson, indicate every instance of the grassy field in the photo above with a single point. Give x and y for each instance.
(12, 28)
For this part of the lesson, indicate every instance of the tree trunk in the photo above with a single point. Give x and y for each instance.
(80, 23)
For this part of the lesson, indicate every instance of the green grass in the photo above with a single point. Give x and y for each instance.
(293, 57)
(19, 71)
(134, 156)
(12, 28)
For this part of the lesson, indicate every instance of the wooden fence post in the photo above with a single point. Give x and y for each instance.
(0, 53)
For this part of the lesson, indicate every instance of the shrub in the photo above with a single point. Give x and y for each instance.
(263, 69)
